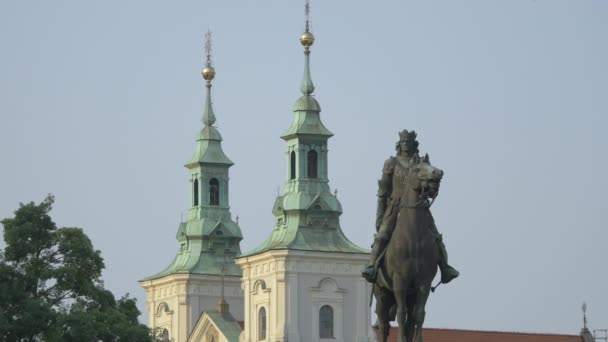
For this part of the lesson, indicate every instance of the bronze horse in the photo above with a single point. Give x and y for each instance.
(410, 261)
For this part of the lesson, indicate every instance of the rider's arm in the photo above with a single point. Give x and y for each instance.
(385, 186)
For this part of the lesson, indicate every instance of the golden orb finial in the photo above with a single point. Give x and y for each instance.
(208, 73)
(307, 39)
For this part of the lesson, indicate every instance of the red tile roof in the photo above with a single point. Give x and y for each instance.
(455, 335)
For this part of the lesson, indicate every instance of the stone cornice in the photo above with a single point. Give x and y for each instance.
(287, 261)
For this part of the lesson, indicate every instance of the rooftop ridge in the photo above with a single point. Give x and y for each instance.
(500, 332)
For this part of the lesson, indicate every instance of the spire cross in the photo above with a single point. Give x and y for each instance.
(222, 272)
(222, 306)
(307, 14)
(307, 39)
(208, 48)
(222, 281)
(585, 315)
(208, 75)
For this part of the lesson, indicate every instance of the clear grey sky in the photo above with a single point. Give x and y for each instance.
(101, 102)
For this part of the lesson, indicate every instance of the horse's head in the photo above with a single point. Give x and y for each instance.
(425, 177)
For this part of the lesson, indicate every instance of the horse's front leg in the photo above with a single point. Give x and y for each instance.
(418, 313)
(384, 328)
(384, 301)
(400, 293)
(410, 323)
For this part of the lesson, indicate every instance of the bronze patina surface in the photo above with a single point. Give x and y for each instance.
(408, 247)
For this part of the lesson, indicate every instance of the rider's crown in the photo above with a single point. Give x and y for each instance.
(407, 136)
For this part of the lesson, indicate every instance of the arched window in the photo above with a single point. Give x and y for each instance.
(262, 324)
(326, 322)
(292, 165)
(312, 164)
(195, 192)
(212, 339)
(214, 192)
(164, 336)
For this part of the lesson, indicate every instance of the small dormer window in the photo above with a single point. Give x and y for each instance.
(312, 164)
(195, 192)
(214, 192)
(292, 165)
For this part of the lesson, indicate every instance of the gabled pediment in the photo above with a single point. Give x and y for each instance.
(225, 229)
(216, 229)
(223, 327)
(203, 330)
(318, 203)
(209, 227)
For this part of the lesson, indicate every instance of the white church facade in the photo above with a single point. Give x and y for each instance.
(303, 284)
(305, 296)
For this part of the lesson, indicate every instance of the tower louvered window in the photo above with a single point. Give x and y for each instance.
(292, 165)
(312, 164)
(195, 192)
(214, 192)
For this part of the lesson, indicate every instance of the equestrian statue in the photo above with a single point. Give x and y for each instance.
(408, 247)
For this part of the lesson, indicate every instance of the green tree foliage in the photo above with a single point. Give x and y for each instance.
(51, 287)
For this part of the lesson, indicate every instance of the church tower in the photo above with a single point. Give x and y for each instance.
(208, 240)
(304, 284)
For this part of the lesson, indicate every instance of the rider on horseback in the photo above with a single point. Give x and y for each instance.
(390, 186)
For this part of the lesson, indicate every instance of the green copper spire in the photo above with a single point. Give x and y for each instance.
(208, 74)
(307, 213)
(307, 39)
(209, 238)
(208, 147)
(307, 109)
(208, 116)
(307, 87)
